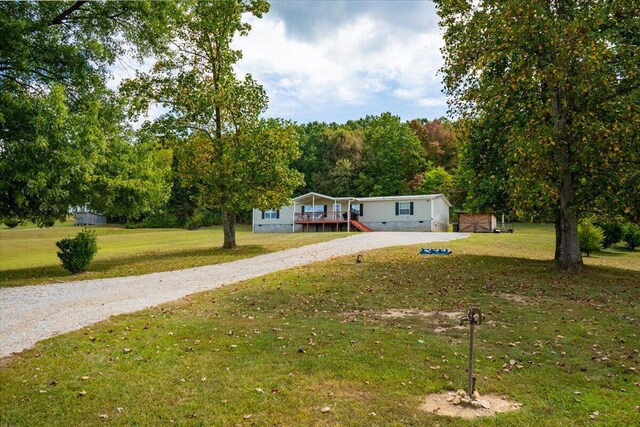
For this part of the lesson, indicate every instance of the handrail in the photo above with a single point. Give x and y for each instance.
(320, 216)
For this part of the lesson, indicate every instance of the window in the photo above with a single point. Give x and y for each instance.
(309, 208)
(404, 208)
(271, 214)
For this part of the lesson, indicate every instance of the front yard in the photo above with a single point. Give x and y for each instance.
(363, 340)
(28, 254)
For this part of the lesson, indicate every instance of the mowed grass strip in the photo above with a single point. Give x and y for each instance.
(28, 254)
(277, 349)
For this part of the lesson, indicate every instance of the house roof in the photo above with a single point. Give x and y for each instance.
(375, 199)
(403, 198)
(312, 193)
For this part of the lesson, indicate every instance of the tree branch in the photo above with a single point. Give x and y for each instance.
(61, 17)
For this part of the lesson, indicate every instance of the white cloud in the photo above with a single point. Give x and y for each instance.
(357, 63)
(432, 102)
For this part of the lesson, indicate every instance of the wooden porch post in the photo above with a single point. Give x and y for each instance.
(293, 219)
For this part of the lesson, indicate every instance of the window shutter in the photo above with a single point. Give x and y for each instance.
(325, 210)
(361, 209)
(397, 208)
(278, 214)
(302, 209)
(262, 214)
(411, 208)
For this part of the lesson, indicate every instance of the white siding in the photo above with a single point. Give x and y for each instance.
(286, 216)
(385, 210)
(440, 215)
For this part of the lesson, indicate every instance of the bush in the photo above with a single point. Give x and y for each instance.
(11, 223)
(155, 221)
(613, 233)
(589, 237)
(76, 253)
(631, 235)
(202, 218)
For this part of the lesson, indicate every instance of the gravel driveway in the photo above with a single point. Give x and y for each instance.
(31, 313)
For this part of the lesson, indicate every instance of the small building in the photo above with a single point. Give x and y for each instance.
(319, 212)
(476, 223)
(84, 215)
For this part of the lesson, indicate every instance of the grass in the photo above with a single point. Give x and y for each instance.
(28, 254)
(275, 350)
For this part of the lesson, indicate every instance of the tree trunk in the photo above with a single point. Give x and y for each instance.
(568, 256)
(229, 227)
(558, 236)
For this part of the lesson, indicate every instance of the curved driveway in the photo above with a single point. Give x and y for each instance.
(31, 313)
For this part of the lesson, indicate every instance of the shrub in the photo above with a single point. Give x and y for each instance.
(11, 223)
(202, 218)
(631, 235)
(76, 253)
(589, 237)
(613, 233)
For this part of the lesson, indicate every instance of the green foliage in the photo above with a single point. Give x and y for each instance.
(439, 141)
(436, 181)
(374, 155)
(58, 120)
(590, 236)
(132, 180)
(554, 90)
(613, 232)
(631, 235)
(77, 253)
(392, 157)
(158, 220)
(203, 218)
(12, 223)
(234, 159)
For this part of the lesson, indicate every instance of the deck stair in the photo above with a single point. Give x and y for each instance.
(360, 226)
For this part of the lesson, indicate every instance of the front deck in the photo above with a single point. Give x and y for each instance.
(321, 221)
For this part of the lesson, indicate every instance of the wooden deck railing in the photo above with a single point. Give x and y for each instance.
(328, 216)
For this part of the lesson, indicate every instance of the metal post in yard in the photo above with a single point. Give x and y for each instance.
(472, 380)
(474, 317)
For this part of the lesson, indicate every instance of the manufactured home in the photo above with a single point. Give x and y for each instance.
(319, 212)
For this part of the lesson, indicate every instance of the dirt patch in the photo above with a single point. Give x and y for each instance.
(516, 298)
(6, 361)
(438, 404)
(442, 320)
(399, 313)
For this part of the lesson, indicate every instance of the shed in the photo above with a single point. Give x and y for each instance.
(476, 223)
(90, 218)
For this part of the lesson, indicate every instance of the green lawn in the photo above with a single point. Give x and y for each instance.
(275, 350)
(28, 254)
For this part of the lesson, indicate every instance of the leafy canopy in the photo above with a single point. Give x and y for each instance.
(58, 120)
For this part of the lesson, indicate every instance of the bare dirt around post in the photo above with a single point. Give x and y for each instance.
(441, 404)
(31, 313)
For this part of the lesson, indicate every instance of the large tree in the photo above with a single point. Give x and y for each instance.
(392, 156)
(438, 141)
(557, 83)
(234, 159)
(58, 120)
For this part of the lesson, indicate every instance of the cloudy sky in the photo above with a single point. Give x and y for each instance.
(335, 60)
(331, 60)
